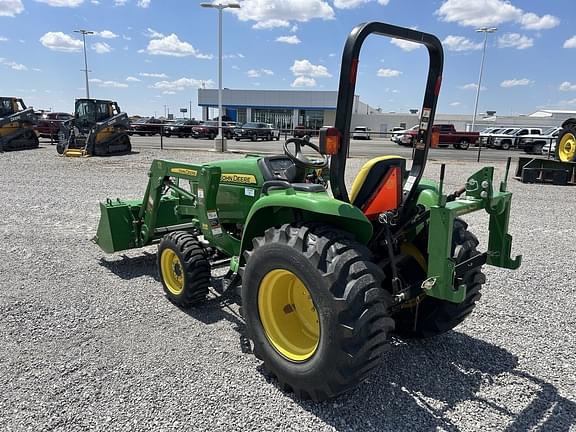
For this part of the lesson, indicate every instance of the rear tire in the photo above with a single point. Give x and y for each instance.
(333, 340)
(566, 143)
(435, 316)
(254, 137)
(184, 268)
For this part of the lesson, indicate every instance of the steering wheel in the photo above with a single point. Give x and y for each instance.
(300, 159)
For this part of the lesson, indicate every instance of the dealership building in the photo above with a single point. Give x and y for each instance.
(314, 109)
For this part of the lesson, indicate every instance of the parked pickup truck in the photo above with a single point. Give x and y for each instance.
(510, 138)
(448, 135)
(534, 143)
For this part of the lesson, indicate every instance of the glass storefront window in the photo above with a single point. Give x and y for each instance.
(280, 118)
(311, 119)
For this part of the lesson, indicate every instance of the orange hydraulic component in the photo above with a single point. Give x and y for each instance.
(387, 195)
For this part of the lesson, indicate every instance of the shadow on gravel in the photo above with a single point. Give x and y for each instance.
(132, 267)
(421, 384)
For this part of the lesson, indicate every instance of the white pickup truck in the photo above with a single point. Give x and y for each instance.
(534, 143)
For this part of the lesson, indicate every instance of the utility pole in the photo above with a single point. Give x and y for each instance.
(84, 33)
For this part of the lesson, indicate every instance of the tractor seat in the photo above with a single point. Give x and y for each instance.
(378, 185)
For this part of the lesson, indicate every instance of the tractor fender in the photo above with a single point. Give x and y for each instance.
(288, 206)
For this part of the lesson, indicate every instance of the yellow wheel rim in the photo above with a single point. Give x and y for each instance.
(288, 315)
(567, 148)
(172, 271)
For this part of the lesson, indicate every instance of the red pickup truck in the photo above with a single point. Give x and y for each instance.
(447, 135)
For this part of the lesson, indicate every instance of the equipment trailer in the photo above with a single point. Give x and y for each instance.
(325, 278)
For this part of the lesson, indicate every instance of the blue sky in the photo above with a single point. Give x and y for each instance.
(151, 53)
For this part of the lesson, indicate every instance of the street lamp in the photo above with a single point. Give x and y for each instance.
(220, 144)
(484, 30)
(84, 33)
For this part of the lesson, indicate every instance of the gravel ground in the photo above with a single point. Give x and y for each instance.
(89, 342)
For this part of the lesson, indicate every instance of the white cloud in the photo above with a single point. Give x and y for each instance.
(101, 47)
(107, 34)
(3, 39)
(172, 46)
(304, 67)
(132, 79)
(460, 43)
(570, 43)
(274, 13)
(143, 3)
(168, 92)
(13, 65)
(516, 82)
(294, 28)
(478, 13)
(11, 7)
(515, 40)
(292, 40)
(153, 34)
(405, 45)
(531, 21)
(270, 24)
(153, 75)
(351, 4)
(490, 13)
(181, 84)
(388, 73)
(455, 104)
(568, 102)
(120, 2)
(567, 86)
(257, 73)
(109, 84)
(303, 81)
(62, 3)
(472, 86)
(58, 41)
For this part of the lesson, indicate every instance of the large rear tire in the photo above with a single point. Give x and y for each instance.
(431, 316)
(566, 144)
(315, 309)
(184, 268)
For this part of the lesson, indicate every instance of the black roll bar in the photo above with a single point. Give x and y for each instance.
(345, 102)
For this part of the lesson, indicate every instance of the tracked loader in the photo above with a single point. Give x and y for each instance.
(98, 128)
(16, 125)
(326, 276)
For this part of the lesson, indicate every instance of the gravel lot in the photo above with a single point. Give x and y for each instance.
(89, 342)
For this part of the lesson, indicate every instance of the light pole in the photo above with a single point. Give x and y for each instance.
(484, 30)
(84, 33)
(220, 143)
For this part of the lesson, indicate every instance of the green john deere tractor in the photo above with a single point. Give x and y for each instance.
(325, 278)
(16, 125)
(98, 128)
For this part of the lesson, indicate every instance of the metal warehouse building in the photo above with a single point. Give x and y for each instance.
(314, 109)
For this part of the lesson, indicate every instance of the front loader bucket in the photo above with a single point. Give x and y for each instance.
(116, 229)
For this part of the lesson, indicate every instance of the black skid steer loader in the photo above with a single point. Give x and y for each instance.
(97, 129)
(16, 125)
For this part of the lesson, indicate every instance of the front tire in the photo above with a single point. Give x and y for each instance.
(505, 145)
(431, 317)
(315, 309)
(463, 145)
(184, 268)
